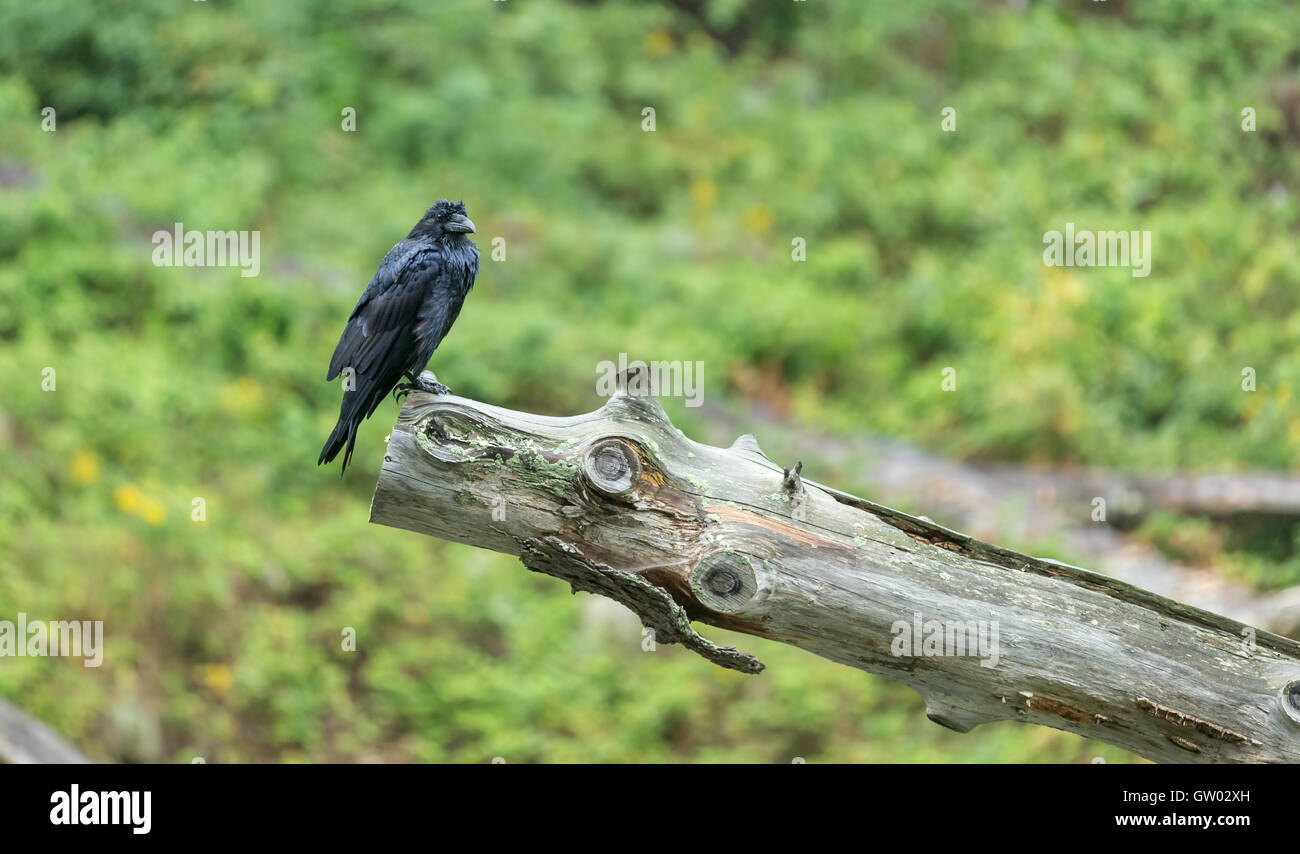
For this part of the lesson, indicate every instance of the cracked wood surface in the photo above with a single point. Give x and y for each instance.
(621, 503)
(1029, 504)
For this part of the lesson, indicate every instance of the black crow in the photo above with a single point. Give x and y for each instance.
(402, 317)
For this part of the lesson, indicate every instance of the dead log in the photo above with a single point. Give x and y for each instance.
(621, 503)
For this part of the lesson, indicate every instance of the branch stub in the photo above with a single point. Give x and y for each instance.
(612, 466)
(1289, 700)
(724, 581)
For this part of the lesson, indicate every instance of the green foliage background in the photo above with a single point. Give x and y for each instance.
(774, 120)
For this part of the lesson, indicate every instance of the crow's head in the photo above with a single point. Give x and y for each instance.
(445, 220)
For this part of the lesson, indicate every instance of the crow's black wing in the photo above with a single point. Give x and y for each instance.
(379, 341)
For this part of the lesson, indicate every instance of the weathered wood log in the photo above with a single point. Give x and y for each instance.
(621, 503)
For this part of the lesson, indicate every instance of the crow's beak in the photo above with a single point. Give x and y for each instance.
(460, 223)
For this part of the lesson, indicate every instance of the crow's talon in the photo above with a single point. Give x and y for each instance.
(423, 385)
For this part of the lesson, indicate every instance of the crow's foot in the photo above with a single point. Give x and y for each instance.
(420, 384)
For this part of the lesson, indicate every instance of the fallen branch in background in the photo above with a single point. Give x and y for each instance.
(620, 503)
(1240, 494)
(1029, 505)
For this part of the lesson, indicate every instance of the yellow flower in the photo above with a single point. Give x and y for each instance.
(84, 467)
(127, 497)
(758, 220)
(704, 193)
(659, 43)
(152, 511)
(218, 678)
(242, 396)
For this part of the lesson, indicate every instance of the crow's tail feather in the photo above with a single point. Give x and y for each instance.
(358, 405)
(345, 433)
